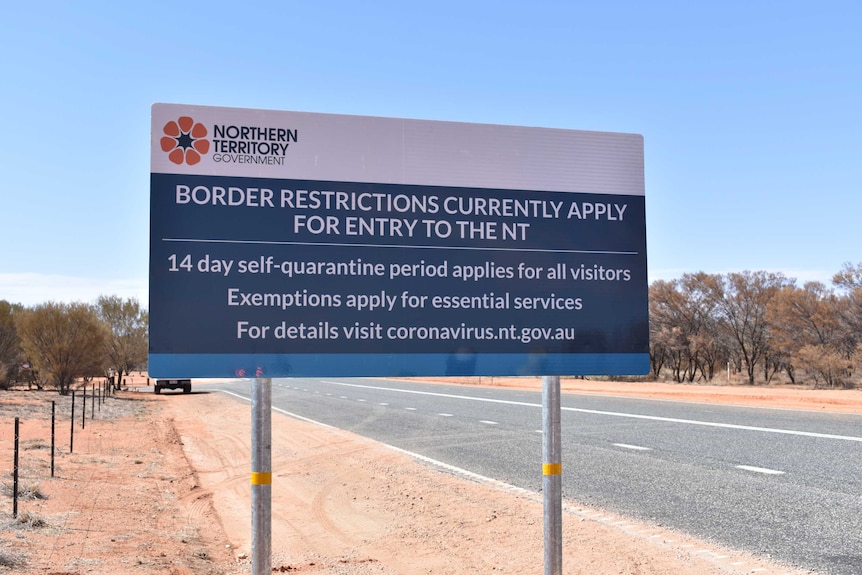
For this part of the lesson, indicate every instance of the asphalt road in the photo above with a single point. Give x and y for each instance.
(778, 483)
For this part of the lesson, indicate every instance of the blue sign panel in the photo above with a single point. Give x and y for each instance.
(359, 254)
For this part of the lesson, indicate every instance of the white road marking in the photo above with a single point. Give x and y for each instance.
(760, 470)
(410, 408)
(635, 447)
(613, 413)
(488, 422)
(279, 410)
(445, 415)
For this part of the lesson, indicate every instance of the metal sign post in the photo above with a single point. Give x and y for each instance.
(552, 468)
(261, 476)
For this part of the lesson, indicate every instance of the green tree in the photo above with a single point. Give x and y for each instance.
(10, 343)
(127, 341)
(64, 341)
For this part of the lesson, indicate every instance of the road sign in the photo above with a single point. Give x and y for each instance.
(299, 244)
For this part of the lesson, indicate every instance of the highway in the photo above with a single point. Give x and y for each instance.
(778, 483)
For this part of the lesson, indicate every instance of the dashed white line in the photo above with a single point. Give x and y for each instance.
(760, 470)
(488, 422)
(634, 447)
(445, 415)
(614, 413)
(410, 408)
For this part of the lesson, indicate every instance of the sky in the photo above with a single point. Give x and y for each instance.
(751, 113)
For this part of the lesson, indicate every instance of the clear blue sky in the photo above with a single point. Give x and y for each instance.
(751, 113)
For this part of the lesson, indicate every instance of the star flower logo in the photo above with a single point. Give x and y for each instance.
(185, 141)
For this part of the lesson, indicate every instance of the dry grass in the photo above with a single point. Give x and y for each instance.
(11, 560)
(36, 405)
(26, 491)
(30, 520)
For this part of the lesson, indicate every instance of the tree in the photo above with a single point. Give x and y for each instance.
(65, 341)
(850, 276)
(683, 326)
(742, 311)
(127, 324)
(849, 279)
(664, 302)
(808, 318)
(824, 362)
(10, 344)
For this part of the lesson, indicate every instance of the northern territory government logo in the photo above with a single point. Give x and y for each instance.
(186, 142)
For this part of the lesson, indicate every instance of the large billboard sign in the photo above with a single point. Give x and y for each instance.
(300, 244)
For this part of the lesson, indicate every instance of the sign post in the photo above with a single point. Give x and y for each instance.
(291, 244)
(552, 480)
(261, 476)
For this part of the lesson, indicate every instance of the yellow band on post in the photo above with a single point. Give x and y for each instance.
(261, 477)
(552, 468)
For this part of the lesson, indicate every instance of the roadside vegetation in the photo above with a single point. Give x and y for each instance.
(56, 344)
(760, 325)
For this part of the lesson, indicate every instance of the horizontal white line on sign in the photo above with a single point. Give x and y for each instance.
(423, 247)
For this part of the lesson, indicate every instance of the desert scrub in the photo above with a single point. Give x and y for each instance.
(26, 491)
(30, 520)
(11, 560)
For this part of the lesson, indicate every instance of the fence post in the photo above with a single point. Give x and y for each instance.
(15, 475)
(53, 411)
(72, 421)
(84, 410)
